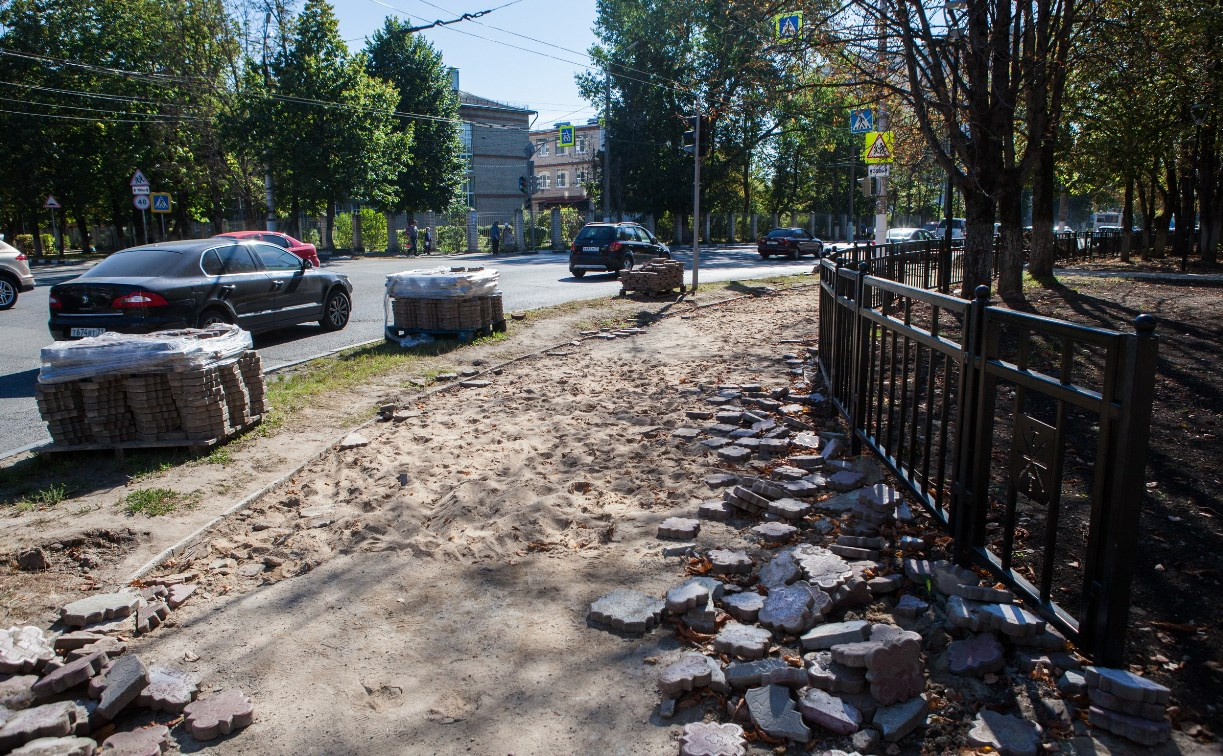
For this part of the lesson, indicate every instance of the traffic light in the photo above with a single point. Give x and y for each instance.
(866, 185)
(522, 184)
(704, 125)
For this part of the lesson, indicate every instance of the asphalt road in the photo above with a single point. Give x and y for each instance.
(527, 281)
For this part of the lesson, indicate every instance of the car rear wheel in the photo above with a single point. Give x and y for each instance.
(764, 255)
(793, 254)
(8, 293)
(336, 311)
(578, 273)
(209, 318)
(626, 263)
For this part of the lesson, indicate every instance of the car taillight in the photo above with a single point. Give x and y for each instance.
(574, 248)
(55, 303)
(613, 247)
(21, 257)
(139, 299)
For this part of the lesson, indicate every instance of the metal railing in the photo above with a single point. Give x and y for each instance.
(1023, 436)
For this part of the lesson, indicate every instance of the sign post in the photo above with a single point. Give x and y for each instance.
(878, 151)
(161, 207)
(140, 198)
(51, 204)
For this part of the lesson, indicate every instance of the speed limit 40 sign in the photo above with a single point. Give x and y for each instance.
(141, 201)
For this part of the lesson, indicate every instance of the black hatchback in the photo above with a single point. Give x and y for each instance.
(613, 247)
(183, 284)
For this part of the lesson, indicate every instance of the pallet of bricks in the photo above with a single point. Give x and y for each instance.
(449, 301)
(172, 388)
(655, 277)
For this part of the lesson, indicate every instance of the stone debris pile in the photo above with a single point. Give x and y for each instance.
(839, 626)
(79, 690)
(655, 277)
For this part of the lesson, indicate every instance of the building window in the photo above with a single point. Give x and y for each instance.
(580, 178)
(541, 148)
(560, 148)
(466, 187)
(581, 148)
(545, 181)
(562, 179)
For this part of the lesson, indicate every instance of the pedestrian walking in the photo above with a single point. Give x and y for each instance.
(494, 237)
(428, 240)
(412, 234)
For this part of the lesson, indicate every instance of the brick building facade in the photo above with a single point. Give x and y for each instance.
(496, 147)
(562, 173)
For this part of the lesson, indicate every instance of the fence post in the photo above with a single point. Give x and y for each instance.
(473, 232)
(859, 355)
(1115, 548)
(970, 495)
(557, 238)
(730, 228)
(518, 238)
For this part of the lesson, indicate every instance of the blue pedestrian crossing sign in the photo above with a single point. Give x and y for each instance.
(160, 202)
(564, 136)
(787, 25)
(861, 121)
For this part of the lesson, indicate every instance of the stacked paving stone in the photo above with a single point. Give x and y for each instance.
(80, 690)
(655, 277)
(105, 408)
(823, 631)
(468, 314)
(62, 408)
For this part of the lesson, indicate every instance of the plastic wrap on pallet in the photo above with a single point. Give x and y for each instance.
(442, 283)
(127, 353)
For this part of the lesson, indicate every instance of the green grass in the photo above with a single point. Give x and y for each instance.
(44, 498)
(155, 502)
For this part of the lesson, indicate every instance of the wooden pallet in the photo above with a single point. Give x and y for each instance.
(193, 445)
(655, 292)
(464, 335)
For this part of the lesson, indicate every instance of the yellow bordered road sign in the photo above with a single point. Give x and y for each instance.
(878, 148)
(565, 136)
(787, 25)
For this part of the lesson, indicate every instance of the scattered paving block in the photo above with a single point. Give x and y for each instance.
(824, 637)
(822, 567)
(103, 606)
(168, 689)
(150, 616)
(69, 676)
(66, 746)
(949, 577)
(113, 648)
(689, 673)
(1144, 731)
(170, 580)
(735, 453)
(1127, 685)
(54, 720)
(1072, 683)
(899, 720)
(830, 712)
(698, 414)
(722, 429)
(1028, 661)
(789, 609)
(801, 488)
(785, 472)
(745, 606)
(627, 611)
(866, 741)
(791, 677)
(728, 417)
(772, 710)
(180, 593)
(846, 480)
(978, 655)
(76, 639)
(919, 571)
(118, 686)
(833, 676)
(743, 641)
(741, 675)
(715, 509)
(984, 594)
(853, 552)
(894, 669)
(1155, 712)
(1004, 733)
(154, 592)
(774, 447)
(1011, 619)
(712, 739)
(681, 549)
(789, 509)
(666, 709)
(807, 440)
(716, 443)
(808, 462)
(727, 562)
(17, 692)
(219, 715)
(679, 528)
(24, 649)
(684, 597)
(780, 570)
(687, 434)
(250, 570)
(885, 584)
(355, 440)
(774, 531)
(1047, 640)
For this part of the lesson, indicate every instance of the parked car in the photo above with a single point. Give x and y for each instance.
(304, 250)
(790, 242)
(15, 275)
(178, 284)
(957, 228)
(613, 247)
(908, 235)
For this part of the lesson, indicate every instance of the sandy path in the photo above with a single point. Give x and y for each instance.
(428, 593)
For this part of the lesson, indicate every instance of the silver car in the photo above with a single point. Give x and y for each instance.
(15, 275)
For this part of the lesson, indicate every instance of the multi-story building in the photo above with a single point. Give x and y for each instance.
(561, 173)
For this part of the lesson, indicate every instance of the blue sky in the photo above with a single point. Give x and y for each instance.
(489, 67)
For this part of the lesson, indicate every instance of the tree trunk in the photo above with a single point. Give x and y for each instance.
(328, 236)
(82, 225)
(1040, 262)
(1146, 200)
(1183, 241)
(1127, 219)
(358, 245)
(1210, 200)
(38, 251)
(978, 242)
(1010, 215)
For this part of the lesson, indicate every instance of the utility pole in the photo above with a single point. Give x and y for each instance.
(696, 199)
(849, 194)
(268, 188)
(606, 203)
(883, 122)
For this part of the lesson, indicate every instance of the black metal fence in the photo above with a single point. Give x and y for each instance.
(1024, 436)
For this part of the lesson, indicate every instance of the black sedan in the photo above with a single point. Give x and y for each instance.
(790, 242)
(197, 283)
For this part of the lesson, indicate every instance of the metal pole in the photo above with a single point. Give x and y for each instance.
(883, 120)
(606, 203)
(162, 217)
(853, 222)
(268, 187)
(144, 224)
(696, 199)
(59, 242)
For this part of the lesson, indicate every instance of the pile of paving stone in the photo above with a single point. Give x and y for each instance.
(655, 277)
(445, 299)
(828, 631)
(74, 688)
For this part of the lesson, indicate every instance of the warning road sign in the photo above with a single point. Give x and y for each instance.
(138, 179)
(161, 202)
(51, 203)
(861, 121)
(878, 147)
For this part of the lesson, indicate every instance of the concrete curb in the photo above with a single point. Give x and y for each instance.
(192, 538)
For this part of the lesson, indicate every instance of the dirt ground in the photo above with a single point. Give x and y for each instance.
(428, 593)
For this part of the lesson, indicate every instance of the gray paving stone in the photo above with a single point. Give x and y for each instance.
(698, 414)
(722, 429)
(112, 648)
(1011, 619)
(822, 567)
(75, 639)
(716, 443)
(774, 531)
(679, 549)
(103, 606)
(666, 709)
(24, 649)
(1127, 685)
(772, 710)
(1143, 731)
(66, 746)
(879, 586)
(846, 480)
(1028, 661)
(768, 489)
(712, 739)
(824, 637)
(150, 616)
(894, 669)
(807, 440)
(854, 553)
(787, 473)
(949, 577)
(801, 488)
(854, 654)
(69, 676)
(729, 417)
(627, 611)
(119, 686)
(789, 509)
(876, 543)
(808, 462)
(898, 720)
(789, 609)
(977, 655)
(687, 434)
(919, 571)
(716, 510)
(1153, 711)
(743, 437)
(866, 741)
(688, 673)
(1072, 683)
(748, 674)
(781, 570)
(744, 606)
(54, 720)
(1047, 640)
(743, 641)
(829, 712)
(17, 692)
(168, 689)
(788, 676)
(727, 562)
(353, 440)
(833, 676)
(679, 528)
(1008, 735)
(774, 447)
(984, 594)
(219, 715)
(735, 454)
(833, 449)
(684, 597)
(148, 741)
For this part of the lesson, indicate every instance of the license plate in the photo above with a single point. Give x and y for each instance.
(590, 249)
(771, 244)
(84, 333)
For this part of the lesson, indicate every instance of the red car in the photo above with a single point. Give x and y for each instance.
(303, 250)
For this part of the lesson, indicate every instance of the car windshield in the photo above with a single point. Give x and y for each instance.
(900, 233)
(782, 233)
(597, 233)
(136, 263)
